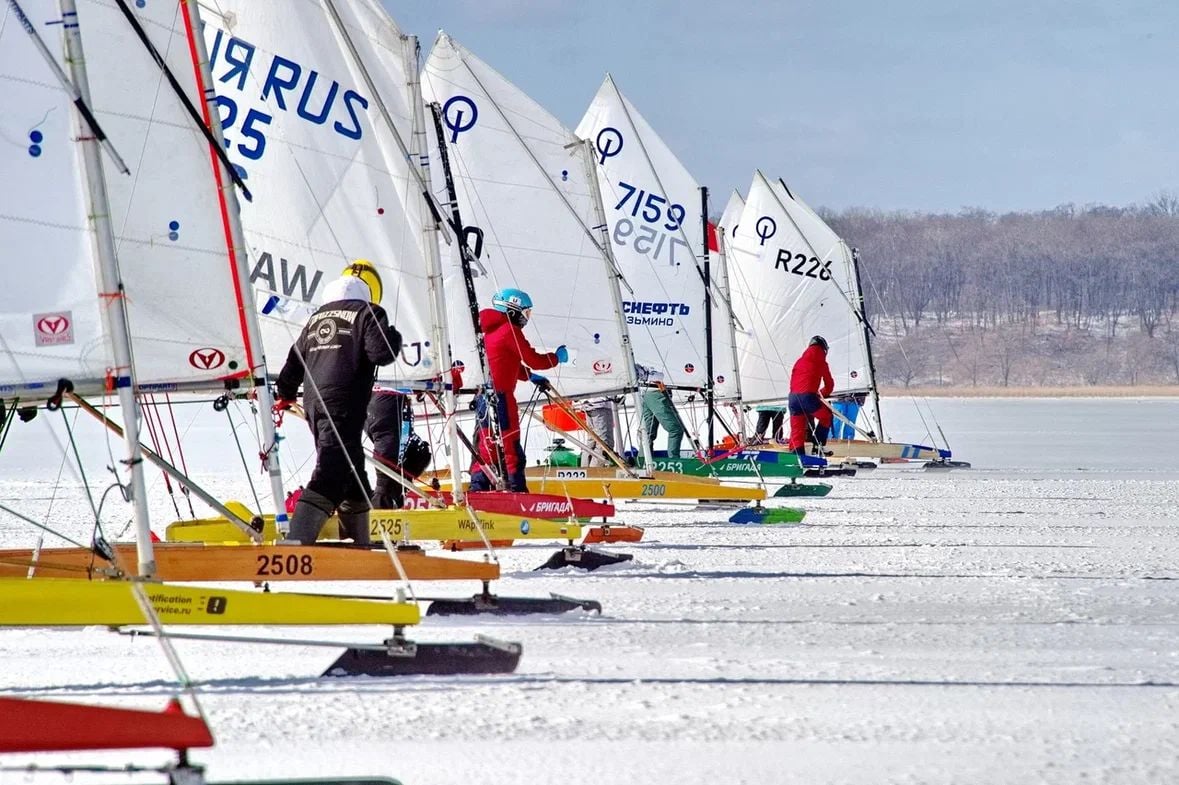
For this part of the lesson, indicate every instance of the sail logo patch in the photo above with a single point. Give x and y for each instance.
(206, 359)
(602, 367)
(608, 143)
(462, 118)
(53, 329)
(766, 228)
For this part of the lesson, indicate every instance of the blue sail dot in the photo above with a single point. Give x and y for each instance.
(140, 3)
(174, 225)
(173, 236)
(35, 137)
(34, 150)
(564, 174)
(597, 337)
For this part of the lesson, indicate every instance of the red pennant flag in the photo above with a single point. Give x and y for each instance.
(713, 242)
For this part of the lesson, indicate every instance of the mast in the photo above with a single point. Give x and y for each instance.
(122, 375)
(430, 232)
(862, 313)
(431, 229)
(710, 388)
(730, 324)
(490, 396)
(595, 190)
(269, 451)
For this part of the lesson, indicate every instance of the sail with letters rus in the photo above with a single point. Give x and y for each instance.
(527, 184)
(332, 181)
(656, 221)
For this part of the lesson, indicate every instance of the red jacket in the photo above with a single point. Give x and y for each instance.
(509, 355)
(509, 358)
(810, 369)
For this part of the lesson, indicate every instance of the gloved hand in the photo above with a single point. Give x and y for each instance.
(281, 405)
(562, 354)
(541, 382)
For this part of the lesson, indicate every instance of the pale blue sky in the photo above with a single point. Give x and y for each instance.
(894, 104)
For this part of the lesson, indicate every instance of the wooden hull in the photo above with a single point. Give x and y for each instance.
(452, 523)
(187, 562)
(48, 602)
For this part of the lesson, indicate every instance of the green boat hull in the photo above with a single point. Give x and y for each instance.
(781, 466)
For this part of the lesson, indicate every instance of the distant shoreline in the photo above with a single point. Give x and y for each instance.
(1085, 391)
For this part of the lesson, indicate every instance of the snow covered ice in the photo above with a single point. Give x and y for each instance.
(1015, 623)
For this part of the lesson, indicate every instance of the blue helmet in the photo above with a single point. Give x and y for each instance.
(509, 300)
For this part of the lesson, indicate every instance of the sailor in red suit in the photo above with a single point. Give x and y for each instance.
(810, 382)
(511, 359)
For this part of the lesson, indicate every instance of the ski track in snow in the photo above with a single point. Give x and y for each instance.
(1008, 624)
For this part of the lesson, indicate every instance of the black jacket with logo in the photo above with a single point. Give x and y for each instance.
(339, 349)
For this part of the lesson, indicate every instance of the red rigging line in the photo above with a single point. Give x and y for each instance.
(215, 160)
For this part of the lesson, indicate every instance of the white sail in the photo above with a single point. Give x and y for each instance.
(169, 229)
(792, 278)
(732, 215)
(525, 181)
(656, 222)
(330, 183)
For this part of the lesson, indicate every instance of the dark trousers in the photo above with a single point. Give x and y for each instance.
(764, 419)
(803, 407)
(386, 417)
(339, 475)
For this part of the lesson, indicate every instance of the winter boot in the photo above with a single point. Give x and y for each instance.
(311, 513)
(353, 518)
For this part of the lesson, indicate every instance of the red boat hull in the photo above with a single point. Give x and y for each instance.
(529, 505)
(48, 726)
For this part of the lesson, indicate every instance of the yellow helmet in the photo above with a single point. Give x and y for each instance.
(365, 271)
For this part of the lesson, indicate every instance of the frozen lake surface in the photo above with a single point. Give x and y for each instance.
(1015, 623)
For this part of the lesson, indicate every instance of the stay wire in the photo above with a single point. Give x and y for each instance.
(245, 464)
(909, 364)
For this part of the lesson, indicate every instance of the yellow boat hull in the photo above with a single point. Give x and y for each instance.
(601, 482)
(48, 602)
(452, 523)
(186, 562)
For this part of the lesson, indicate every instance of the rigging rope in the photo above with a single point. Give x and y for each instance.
(245, 464)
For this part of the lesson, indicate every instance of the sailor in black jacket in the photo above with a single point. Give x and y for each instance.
(335, 359)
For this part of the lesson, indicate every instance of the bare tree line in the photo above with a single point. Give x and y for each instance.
(1005, 287)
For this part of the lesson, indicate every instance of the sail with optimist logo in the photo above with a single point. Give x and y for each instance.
(656, 221)
(525, 190)
(793, 278)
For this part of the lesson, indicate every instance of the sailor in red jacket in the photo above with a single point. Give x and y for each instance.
(810, 379)
(511, 359)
